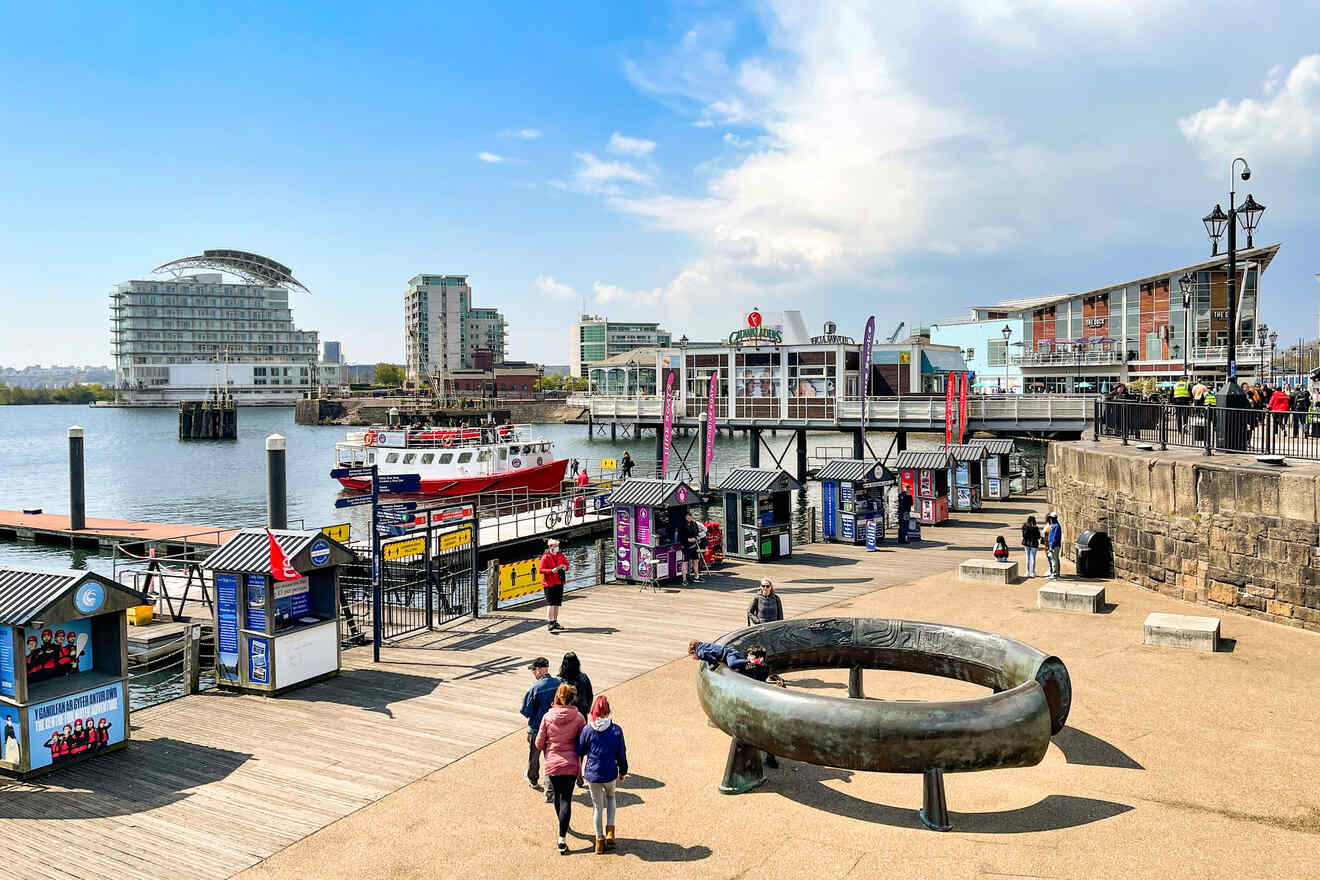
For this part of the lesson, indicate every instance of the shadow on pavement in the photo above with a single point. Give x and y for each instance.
(1080, 747)
(640, 782)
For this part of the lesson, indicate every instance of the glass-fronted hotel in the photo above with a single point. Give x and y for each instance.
(1088, 342)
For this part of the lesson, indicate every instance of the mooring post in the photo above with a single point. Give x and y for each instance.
(811, 525)
(754, 455)
(192, 658)
(492, 586)
(77, 500)
(802, 456)
(600, 561)
(277, 504)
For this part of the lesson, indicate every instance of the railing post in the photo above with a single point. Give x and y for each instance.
(1095, 421)
(1209, 426)
(1123, 416)
(1164, 427)
(492, 586)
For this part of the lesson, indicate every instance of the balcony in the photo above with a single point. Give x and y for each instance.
(1053, 358)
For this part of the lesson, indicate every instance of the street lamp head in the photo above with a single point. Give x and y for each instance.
(1214, 226)
(1007, 332)
(1249, 215)
(1188, 284)
(1274, 338)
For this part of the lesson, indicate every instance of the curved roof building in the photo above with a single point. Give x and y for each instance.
(253, 268)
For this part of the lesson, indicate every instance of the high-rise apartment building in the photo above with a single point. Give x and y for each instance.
(442, 331)
(595, 338)
(179, 338)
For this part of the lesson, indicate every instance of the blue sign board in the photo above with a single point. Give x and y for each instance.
(870, 534)
(357, 473)
(256, 604)
(828, 500)
(320, 553)
(259, 661)
(353, 501)
(226, 634)
(89, 598)
(397, 506)
(392, 516)
(400, 482)
(847, 526)
(70, 727)
(6, 661)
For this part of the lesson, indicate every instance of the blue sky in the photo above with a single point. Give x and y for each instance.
(675, 161)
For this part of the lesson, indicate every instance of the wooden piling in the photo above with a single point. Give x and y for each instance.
(192, 658)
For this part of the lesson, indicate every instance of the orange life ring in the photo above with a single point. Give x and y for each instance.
(447, 442)
(369, 439)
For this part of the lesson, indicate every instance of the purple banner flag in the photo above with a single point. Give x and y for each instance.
(868, 339)
(669, 424)
(711, 395)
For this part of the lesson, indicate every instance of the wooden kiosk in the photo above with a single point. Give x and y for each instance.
(758, 513)
(997, 474)
(63, 667)
(967, 476)
(647, 516)
(925, 475)
(274, 635)
(853, 494)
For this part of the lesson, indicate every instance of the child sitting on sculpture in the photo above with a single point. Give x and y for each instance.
(753, 666)
(1001, 549)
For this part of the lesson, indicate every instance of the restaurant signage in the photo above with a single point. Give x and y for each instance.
(755, 334)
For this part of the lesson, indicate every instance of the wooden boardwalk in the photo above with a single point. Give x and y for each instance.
(214, 783)
(54, 528)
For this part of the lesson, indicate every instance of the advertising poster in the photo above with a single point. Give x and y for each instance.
(846, 496)
(962, 474)
(644, 525)
(927, 480)
(10, 752)
(258, 661)
(57, 650)
(868, 341)
(74, 725)
(962, 409)
(226, 633)
(964, 498)
(847, 529)
(293, 598)
(992, 466)
(7, 661)
(256, 604)
(950, 385)
(622, 541)
(828, 503)
(870, 534)
(994, 487)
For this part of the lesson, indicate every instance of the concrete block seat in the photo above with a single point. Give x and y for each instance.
(1181, 631)
(1065, 596)
(988, 571)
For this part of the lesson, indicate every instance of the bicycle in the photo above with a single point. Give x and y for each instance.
(564, 512)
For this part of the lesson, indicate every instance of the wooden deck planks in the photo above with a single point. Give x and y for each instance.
(216, 782)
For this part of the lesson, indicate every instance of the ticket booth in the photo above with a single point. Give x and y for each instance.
(272, 635)
(758, 513)
(63, 667)
(647, 518)
(997, 476)
(852, 492)
(966, 476)
(925, 475)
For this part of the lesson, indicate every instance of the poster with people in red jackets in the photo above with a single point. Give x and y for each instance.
(73, 726)
(58, 650)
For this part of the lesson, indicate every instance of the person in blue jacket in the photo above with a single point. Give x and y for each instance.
(536, 702)
(601, 743)
(1053, 544)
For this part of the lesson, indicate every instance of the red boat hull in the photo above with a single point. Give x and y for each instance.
(546, 479)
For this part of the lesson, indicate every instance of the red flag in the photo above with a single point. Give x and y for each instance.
(962, 410)
(280, 569)
(950, 387)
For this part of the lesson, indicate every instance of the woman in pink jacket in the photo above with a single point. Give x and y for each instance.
(558, 738)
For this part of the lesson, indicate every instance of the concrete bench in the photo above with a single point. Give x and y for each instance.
(1081, 598)
(988, 571)
(1182, 631)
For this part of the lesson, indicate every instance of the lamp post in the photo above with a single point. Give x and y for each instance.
(633, 365)
(1231, 395)
(1188, 284)
(1006, 333)
(1274, 339)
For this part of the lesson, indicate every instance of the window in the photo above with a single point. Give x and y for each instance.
(410, 458)
(484, 455)
(392, 458)
(428, 458)
(445, 458)
(464, 457)
(371, 458)
(997, 350)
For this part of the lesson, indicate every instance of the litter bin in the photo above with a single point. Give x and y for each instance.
(1094, 554)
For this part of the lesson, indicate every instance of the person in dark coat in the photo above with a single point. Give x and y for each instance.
(757, 669)
(904, 511)
(570, 672)
(627, 464)
(536, 702)
(765, 606)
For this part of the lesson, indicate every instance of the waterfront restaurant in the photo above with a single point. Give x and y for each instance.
(761, 377)
(1089, 342)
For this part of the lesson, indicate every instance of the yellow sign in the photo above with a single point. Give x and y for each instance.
(336, 532)
(456, 539)
(403, 549)
(609, 464)
(520, 579)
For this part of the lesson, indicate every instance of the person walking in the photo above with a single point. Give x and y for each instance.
(1182, 399)
(558, 738)
(601, 743)
(1279, 406)
(1300, 402)
(627, 465)
(553, 566)
(570, 672)
(575, 467)
(536, 702)
(1053, 544)
(904, 511)
(689, 537)
(583, 483)
(1030, 544)
(765, 607)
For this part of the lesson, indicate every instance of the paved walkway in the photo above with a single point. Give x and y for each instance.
(215, 783)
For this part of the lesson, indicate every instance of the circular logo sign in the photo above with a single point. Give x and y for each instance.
(754, 319)
(320, 553)
(89, 598)
(681, 494)
(540, 460)
(516, 462)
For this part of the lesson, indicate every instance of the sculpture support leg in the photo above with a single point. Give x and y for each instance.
(934, 811)
(855, 684)
(743, 771)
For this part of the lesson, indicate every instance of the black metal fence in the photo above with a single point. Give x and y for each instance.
(1211, 429)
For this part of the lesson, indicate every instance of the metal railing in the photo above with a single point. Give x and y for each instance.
(1211, 429)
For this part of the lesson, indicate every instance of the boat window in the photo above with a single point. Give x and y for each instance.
(345, 456)
(446, 458)
(504, 453)
(410, 458)
(464, 457)
(484, 455)
(545, 447)
(371, 458)
(428, 458)
(392, 458)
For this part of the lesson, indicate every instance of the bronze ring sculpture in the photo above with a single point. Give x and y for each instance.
(1010, 727)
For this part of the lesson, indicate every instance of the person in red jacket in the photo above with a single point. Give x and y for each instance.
(580, 503)
(1279, 406)
(553, 566)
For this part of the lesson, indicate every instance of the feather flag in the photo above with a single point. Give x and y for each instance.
(280, 569)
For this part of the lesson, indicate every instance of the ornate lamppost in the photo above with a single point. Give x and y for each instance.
(1006, 333)
(1274, 340)
(1188, 284)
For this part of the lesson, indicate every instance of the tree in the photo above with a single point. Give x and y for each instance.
(389, 375)
(553, 382)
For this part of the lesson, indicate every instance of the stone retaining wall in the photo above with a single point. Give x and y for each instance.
(1228, 536)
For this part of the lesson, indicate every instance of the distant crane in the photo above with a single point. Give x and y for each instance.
(894, 335)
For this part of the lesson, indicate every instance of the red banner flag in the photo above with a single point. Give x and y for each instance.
(712, 393)
(668, 427)
(949, 390)
(962, 410)
(280, 569)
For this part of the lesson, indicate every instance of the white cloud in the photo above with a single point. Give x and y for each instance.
(550, 287)
(1036, 23)
(628, 146)
(603, 176)
(491, 158)
(522, 134)
(1284, 127)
